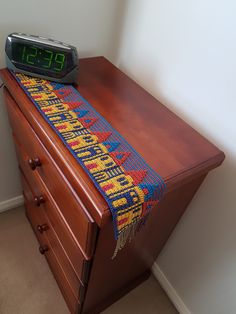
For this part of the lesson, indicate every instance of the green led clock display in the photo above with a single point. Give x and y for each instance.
(40, 58)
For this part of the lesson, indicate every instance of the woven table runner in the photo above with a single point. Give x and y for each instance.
(129, 186)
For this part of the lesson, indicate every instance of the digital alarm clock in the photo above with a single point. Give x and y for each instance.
(42, 57)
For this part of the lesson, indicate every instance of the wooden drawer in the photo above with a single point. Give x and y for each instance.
(58, 261)
(46, 204)
(168, 145)
(72, 303)
(71, 207)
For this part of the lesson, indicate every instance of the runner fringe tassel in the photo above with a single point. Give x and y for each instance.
(128, 234)
(129, 186)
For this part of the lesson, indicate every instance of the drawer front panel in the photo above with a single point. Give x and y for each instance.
(46, 204)
(48, 237)
(72, 303)
(71, 207)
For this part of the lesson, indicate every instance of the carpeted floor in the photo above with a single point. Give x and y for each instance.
(28, 287)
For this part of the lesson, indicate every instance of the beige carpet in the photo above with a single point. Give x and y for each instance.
(28, 287)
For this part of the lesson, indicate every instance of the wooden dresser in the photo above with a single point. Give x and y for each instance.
(68, 215)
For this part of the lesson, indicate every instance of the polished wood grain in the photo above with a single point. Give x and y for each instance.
(51, 248)
(109, 278)
(70, 168)
(170, 146)
(52, 176)
(49, 208)
(167, 143)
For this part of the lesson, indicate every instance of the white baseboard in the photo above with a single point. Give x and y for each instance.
(169, 289)
(157, 272)
(11, 203)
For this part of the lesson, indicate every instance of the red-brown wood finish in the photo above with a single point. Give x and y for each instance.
(109, 277)
(49, 246)
(171, 147)
(60, 226)
(56, 183)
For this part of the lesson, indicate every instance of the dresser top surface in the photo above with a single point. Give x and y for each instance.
(167, 143)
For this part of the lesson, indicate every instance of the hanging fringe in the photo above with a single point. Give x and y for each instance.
(130, 187)
(127, 234)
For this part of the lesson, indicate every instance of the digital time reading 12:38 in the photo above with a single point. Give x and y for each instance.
(41, 57)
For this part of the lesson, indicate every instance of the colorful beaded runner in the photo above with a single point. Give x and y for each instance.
(129, 186)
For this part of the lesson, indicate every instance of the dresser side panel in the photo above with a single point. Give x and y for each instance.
(110, 277)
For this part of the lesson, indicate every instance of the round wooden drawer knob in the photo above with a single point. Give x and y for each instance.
(34, 163)
(42, 228)
(38, 200)
(43, 249)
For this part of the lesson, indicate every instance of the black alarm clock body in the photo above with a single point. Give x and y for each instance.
(42, 57)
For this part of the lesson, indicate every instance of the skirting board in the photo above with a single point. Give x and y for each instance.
(169, 289)
(11, 203)
(157, 272)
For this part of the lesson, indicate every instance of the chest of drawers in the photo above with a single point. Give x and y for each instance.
(68, 215)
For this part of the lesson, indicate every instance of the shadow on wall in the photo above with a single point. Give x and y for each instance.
(9, 174)
(202, 244)
(177, 58)
(91, 26)
(117, 31)
(205, 237)
(199, 258)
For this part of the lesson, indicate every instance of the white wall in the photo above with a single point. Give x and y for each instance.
(89, 25)
(184, 53)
